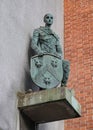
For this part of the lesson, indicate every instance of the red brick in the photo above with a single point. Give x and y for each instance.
(78, 49)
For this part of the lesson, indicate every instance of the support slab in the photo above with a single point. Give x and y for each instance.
(49, 105)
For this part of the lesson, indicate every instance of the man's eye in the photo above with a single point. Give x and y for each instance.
(47, 17)
(51, 17)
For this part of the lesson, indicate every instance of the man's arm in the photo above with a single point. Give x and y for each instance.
(58, 48)
(35, 40)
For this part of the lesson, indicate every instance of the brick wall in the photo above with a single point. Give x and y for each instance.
(79, 50)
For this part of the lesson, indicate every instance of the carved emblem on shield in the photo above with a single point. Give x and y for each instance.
(46, 71)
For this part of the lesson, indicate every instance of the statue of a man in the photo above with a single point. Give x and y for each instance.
(45, 41)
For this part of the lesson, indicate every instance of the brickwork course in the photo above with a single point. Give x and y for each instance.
(78, 48)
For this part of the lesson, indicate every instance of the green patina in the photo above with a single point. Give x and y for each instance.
(48, 69)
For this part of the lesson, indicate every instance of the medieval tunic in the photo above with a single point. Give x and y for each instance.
(46, 41)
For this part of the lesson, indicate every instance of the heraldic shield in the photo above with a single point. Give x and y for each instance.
(46, 71)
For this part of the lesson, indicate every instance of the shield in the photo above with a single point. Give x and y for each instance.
(46, 71)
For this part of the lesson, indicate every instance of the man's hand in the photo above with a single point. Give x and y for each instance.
(41, 53)
(58, 55)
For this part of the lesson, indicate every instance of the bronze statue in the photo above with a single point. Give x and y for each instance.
(48, 68)
(45, 40)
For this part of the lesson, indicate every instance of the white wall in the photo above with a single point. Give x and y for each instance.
(58, 125)
(18, 19)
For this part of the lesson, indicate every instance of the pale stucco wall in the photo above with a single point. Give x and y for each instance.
(58, 125)
(18, 18)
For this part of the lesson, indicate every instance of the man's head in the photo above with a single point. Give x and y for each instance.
(48, 19)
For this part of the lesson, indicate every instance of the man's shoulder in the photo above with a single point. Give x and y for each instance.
(39, 29)
(57, 37)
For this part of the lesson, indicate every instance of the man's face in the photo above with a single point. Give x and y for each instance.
(48, 19)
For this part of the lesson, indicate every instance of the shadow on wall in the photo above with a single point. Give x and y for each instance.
(28, 81)
(26, 123)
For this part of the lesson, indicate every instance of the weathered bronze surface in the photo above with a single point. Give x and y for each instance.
(45, 40)
(49, 105)
(47, 68)
(46, 71)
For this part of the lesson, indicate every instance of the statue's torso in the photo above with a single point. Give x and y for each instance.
(47, 40)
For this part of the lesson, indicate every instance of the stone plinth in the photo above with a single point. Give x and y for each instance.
(49, 105)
